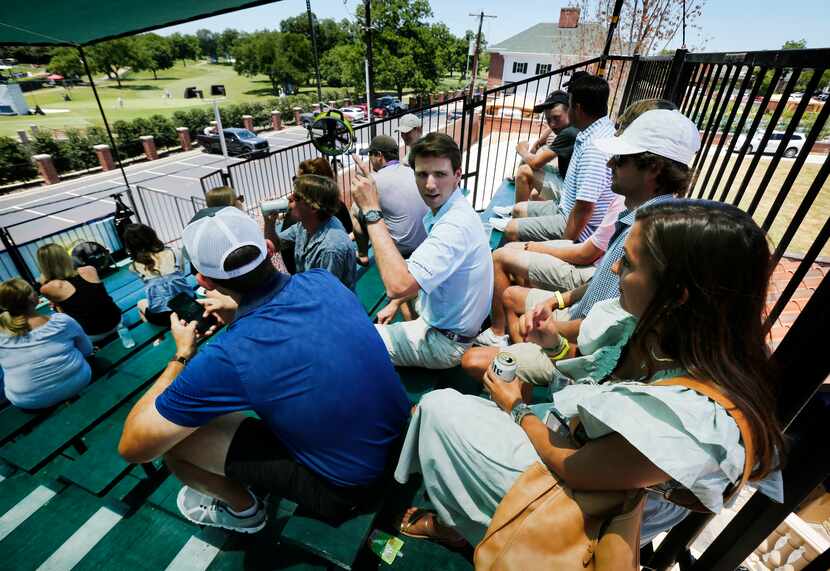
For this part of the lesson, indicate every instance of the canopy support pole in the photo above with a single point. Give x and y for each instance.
(104, 117)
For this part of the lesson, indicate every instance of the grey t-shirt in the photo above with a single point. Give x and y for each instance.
(402, 206)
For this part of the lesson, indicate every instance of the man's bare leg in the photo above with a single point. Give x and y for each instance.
(528, 183)
(199, 462)
(511, 232)
(476, 360)
(514, 300)
(509, 264)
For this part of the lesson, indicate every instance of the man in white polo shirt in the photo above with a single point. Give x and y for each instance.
(451, 271)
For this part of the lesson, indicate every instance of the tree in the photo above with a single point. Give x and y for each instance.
(226, 42)
(113, 56)
(283, 57)
(794, 44)
(329, 32)
(157, 52)
(404, 44)
(66, 61)
(185, 47)
(644, 26)
(208, 43)
(343, 65)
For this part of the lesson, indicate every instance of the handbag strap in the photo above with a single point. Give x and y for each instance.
(711, 391)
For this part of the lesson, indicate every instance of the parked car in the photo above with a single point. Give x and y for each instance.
(354, 113)
(794, 145)
(238, 141)
(388, 106)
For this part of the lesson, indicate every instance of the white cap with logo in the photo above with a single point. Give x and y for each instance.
(407, 123)
(663, 132)
(212, 238)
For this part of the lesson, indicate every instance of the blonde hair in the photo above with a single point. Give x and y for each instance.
(55, 263)
(638, 108)
(16, 303)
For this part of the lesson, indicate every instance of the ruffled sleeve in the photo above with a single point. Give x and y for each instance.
(686, 435)
(603, 333)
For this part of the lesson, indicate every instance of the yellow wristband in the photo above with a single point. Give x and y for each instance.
(559, 299)
(566, 348)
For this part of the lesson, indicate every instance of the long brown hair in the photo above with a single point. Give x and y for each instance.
(318, 166)
(712, 266)
(16, 305)
(141, 243)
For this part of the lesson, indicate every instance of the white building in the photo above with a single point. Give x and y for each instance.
(545, 47)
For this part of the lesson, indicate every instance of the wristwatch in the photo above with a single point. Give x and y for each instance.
(372, 216)
(179, 359)
(520, 411)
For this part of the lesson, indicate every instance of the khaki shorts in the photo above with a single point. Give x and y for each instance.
(540, 228)
(551, 273)
(535, 367)
(542, 208)
(551, 184)
(416, 344)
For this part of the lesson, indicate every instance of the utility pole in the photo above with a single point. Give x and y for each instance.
(480, 17)
(370, 71)
(314, 49)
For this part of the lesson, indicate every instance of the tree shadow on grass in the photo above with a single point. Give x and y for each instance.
(137, 87)
(264, 91)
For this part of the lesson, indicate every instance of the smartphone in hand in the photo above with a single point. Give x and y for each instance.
(188, 309)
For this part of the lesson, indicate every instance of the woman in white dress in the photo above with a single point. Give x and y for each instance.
(693, 274)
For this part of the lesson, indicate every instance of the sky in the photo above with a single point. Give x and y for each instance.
(728, 25)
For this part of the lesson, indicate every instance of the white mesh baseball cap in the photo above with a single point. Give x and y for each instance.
(407, 123)
(663, 132)
(210, 239)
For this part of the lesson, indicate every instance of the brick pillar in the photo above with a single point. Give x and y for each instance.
(276, 120)
(184, 137)
(413, 102)
(333, 104)
(297, 112)
(348, 102)
(248, 122)
(33, 129)
(315, 108)
(213, 127)
(23, 136)
(46, 168)
(149, 147)
(104, 154)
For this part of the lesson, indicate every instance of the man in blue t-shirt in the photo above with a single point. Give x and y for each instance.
(301, 353)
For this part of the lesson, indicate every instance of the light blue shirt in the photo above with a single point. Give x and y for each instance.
(329, 248)
(46, 365)
(454, 268)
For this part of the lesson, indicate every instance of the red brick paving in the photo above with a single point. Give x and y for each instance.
(780, 278)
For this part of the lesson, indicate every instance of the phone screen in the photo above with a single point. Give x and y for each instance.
(187, 308)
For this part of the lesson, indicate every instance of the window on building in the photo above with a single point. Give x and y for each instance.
(542, 68)
(519, 67)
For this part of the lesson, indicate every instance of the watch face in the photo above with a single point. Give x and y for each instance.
(373, 216)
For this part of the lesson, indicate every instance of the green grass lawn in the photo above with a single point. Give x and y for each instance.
(143, 96)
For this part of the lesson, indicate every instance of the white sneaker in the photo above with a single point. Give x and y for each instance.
(202, 509)
(503, 211)
(489, 339)
(499, 224)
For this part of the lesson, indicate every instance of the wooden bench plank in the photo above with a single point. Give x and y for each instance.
(66, 424)
(40, 535)
(100, 464)
(338, 544)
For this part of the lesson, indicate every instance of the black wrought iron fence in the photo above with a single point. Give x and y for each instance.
(166, 213)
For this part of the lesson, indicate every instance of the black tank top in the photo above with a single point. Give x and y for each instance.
(91, 306)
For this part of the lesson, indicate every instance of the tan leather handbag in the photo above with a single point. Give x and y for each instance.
(543, 524)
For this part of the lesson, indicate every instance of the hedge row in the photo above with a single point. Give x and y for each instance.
(76, 152)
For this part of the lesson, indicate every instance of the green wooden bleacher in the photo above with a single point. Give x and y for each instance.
(73, 450)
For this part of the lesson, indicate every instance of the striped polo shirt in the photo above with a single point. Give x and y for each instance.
(589, 178)
(606, 284)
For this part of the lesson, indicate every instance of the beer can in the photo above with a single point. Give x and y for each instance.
(504, 366)
(278, 205)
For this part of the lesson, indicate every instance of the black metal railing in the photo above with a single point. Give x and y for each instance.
(166, 213)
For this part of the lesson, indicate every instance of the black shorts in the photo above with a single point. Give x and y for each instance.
(258, 459)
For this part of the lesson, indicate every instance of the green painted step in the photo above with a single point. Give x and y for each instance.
(19, 485)
(145, 539)
(39, 536)
(339, 544)
(119, 279)
(418, 381)
(164, 497)
(100, 465)
(370, 289)
(13, 420)
(64, 425)
(114, 352)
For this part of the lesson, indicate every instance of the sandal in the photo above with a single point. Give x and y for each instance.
(430, 528)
